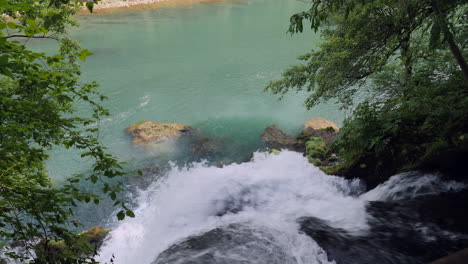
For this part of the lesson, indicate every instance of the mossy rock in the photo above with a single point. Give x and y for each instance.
(316, 150)
(87, 243)
(95, 235)
(317, 127)
(149, 132)
(274, 151)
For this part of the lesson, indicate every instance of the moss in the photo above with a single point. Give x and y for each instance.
(86, 243)
(336, 169)
(94, 236)
(131, 128)
(316, 150)
(274, 151)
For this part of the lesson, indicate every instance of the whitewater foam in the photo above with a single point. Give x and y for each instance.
(410, 185)
(272, 192)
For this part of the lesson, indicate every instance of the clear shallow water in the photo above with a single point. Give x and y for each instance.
(203, 65)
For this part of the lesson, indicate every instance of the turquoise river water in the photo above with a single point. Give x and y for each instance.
(203, 65)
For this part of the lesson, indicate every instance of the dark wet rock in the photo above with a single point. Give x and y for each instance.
(459, 257)
(451, 162)
(429, 226)
(235, 203)
(418, 230)
(345, 248)
(233, 244)
(147, 176)
(275, 138)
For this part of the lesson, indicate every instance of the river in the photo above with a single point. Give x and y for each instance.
(206, 65)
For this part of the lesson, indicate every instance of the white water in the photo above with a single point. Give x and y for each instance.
(269, 193)
(410, 185)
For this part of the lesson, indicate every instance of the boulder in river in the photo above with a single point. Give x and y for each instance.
(149, 132)
(319, 127)
(95, 236)
(318, 123)
(275, 138)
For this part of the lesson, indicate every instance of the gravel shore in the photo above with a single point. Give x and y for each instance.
(108, 6)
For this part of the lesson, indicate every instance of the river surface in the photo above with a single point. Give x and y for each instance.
(203, 65)
(206, 65)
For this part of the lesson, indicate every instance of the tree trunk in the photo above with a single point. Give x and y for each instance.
(450, 39)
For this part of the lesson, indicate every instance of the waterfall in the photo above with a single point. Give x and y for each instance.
(248, 212)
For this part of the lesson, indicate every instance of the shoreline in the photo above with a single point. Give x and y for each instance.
(112, 6)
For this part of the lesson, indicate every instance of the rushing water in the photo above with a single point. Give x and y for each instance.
(280, 209)
(206, 65)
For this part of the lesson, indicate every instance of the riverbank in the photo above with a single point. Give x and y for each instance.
(111, 6)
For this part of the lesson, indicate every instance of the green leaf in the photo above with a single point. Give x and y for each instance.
(130, 213)
(11, 25)
(4, 59)
(31, 22)
(120, 215)
(90, 6)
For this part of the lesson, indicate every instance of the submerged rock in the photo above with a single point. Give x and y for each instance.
(275, 138)
(203, 146)
(149, 132)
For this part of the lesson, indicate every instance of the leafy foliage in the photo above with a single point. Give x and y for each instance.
(407, 132)
(406, 61)
(38, 94)
(360, 38)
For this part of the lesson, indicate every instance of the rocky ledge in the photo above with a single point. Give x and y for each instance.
(315, 139)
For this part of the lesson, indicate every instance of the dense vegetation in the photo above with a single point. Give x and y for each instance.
(38, 94)
(405, 60)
